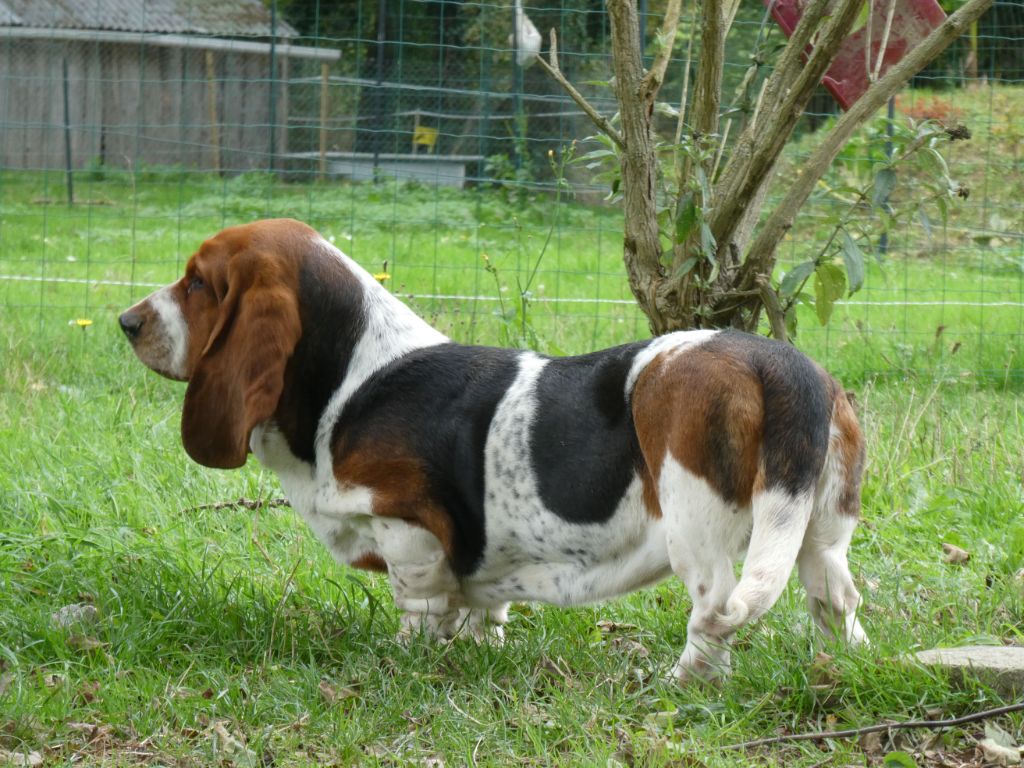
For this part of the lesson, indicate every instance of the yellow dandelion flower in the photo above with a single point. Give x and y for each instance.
(381, 277)
(82, 322)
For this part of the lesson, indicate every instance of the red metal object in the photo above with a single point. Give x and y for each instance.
(848, 78)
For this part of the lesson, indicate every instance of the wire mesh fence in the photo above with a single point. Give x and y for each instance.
(409, 133)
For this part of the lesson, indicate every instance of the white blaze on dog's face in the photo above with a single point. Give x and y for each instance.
(169, 328)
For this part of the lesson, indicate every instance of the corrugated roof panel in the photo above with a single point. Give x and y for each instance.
(236, 18)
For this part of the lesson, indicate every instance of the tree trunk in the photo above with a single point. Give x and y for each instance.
(641, 241)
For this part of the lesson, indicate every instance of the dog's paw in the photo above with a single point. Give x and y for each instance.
(481, 625)
(435, 627)
(699, 671)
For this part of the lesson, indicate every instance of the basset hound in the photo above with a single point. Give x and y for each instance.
(475, 476)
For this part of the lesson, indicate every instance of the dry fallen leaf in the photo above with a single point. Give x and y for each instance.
(88, 691)
(606, 625)
(823, 671)
(954, 554)
(233, 748)
(630, 647)
(83, 643)
(871, 743)
(332, 695)
(53, 680)
(998, 747)
(997, 754)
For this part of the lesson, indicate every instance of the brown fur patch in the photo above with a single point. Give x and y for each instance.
(706, 410)
(399, 486)
(650, 492)
(851, 447)
(370, 562)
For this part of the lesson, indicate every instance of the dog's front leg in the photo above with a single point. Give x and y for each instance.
(424, 587)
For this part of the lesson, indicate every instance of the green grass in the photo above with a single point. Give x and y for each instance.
(237, 617)
(229, 619)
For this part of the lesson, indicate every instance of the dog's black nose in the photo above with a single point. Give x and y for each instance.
(131, 323)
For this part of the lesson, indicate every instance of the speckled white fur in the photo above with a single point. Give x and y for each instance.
(704, 539)
(532, 553)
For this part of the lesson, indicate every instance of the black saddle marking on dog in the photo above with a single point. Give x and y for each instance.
(583, 444)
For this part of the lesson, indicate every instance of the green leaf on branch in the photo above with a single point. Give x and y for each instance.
(707, 242)
(687, 218)
(793, 279)
(829, 286)
(686, 266)
(853, 257)
(941, 168)
(885, 182)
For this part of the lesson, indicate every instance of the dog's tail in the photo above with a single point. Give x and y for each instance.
(780, 521)
(798, 398)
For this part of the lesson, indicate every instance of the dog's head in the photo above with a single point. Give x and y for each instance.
(228, 327)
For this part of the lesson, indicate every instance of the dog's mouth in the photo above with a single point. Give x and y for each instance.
(158, 356)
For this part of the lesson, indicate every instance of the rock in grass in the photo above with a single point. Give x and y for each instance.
(20, 759)
(1001, 667)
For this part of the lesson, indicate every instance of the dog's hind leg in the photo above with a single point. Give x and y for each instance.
(832, 597)
(704, 536)
(484, 625)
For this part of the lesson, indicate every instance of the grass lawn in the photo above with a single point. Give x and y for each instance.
(235, 620)
(225, 634)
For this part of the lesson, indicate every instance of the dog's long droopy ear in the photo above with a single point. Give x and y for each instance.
(237, 381)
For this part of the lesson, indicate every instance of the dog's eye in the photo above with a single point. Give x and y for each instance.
(195, 284)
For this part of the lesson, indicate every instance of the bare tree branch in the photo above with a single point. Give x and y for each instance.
(641, 239)
(785, 71)
(760, 256)
(879, 727)
(772, 307)
(708, 92)
(553, 69)
(774, 131)
(656, 74)
(681, 120)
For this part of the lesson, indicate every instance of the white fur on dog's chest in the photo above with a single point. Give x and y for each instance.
(340, 517)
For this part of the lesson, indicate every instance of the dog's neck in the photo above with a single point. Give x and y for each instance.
(352, 327)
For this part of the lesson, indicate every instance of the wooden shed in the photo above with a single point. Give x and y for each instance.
(196, 83)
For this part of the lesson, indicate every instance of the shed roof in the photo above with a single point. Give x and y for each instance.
(242, 18)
